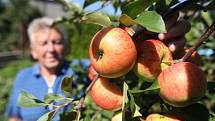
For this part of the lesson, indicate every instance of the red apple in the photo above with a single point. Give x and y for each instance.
(182, 84)
(159, 117)
(112, 52)
(153, 57)
(91, 73)
(106, 94)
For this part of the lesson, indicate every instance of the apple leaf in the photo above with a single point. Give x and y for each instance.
(134, 8)
(126, 20)
(194, 112)
(125, 104)
(51, 97)
(137, 112)
(154, 86)
(67, 84)
(211, 6)
(73, 7)
(133, 106)
(97, 18)
(47, 116)
(28, 100)
(152, 21)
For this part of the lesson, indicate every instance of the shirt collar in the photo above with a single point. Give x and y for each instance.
(63, 69)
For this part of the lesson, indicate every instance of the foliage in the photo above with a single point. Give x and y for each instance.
(13, 24)
(81, 34)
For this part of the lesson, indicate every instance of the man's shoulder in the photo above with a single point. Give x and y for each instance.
(26, 71)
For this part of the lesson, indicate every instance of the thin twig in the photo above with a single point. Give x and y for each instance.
(200, 41)
(81, 102)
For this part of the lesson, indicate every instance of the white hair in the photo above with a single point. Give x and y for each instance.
(42, 24)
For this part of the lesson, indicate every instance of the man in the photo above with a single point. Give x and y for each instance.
(47, 44)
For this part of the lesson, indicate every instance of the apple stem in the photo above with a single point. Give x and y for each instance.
(200, 41)
(81, 101)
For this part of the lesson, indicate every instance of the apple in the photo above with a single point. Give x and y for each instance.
(112, 52)
(91, 73)
(159, 117)
(117, 116)
(107, 94)
(182, 84)
(153, 57)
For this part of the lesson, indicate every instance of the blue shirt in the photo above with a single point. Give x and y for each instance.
(30, 80)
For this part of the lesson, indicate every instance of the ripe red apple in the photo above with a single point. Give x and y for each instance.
(106, 94)
(117, 116)
(91, 73)
(112, 52)
(182, 84)
(153, 57)
(159, 117)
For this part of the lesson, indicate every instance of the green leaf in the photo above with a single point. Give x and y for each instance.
(47, 117)
(97, 18)
(211, 6)
(137, 112)
(133, 106)
(132, 101)
(51, 97)
(89, 2)
(126, 20)
(134, 8)
(152, 21)
(73, 7)
(28, 100)
(125, 100)
(154, 86)
(67, 84)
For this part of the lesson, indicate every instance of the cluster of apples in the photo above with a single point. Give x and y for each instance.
(113, 54)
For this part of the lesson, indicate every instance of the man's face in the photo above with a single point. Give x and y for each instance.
(48, 48)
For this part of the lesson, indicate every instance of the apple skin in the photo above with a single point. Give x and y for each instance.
(112, 52)
(117, 116)
(153, 57)
(159, 117)
(91, 73)
(106, 94)
(182, 84)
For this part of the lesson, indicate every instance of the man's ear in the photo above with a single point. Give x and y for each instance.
(34, 54)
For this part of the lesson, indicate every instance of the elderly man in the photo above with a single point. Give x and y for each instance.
(47, 45)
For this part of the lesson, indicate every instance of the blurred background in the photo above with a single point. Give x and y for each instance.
(15, 16)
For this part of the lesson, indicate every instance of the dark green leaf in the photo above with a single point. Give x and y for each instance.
(134, 8)
(89, 2)
(132, 102)
(211, 6)
(51, 97)
(152, 21)
(28, 100)
(47, 117)
(154, 86)
(97, 18)
(211, 85)
(194, 112)
(125, 104)
(67, 84)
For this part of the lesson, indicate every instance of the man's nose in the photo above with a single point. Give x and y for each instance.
(50, 46)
